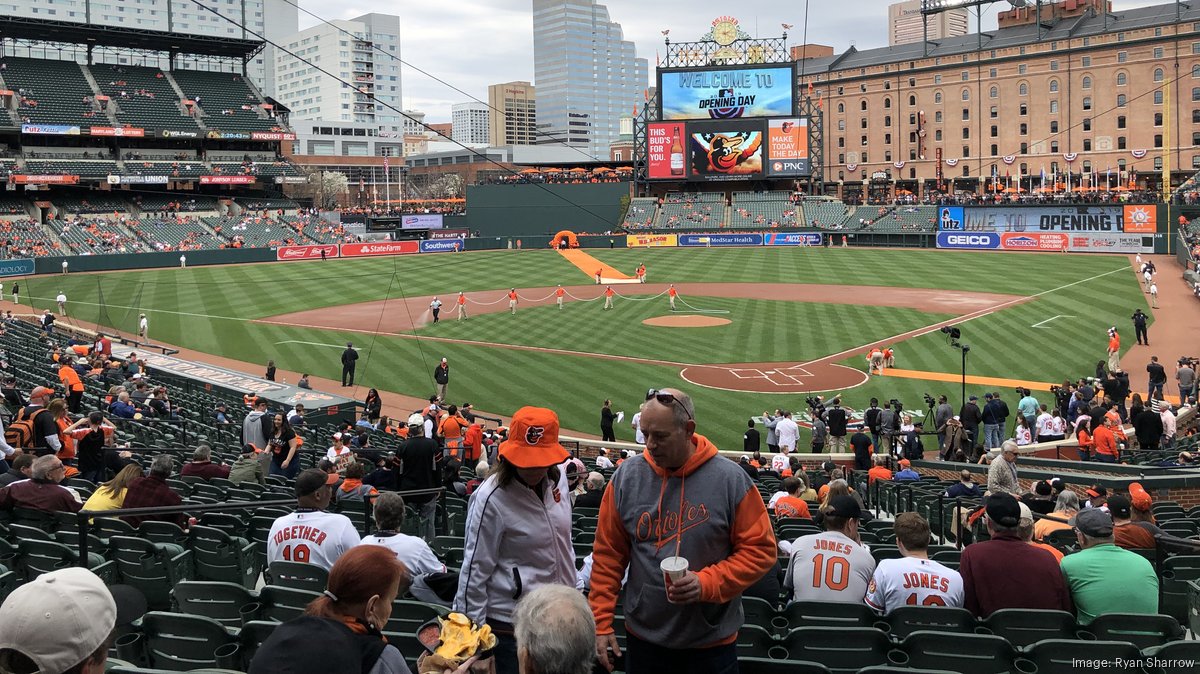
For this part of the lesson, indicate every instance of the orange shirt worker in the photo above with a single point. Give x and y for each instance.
(672, 293)
(461, 303)
(512, 301)
(608, 295)
(558, 296)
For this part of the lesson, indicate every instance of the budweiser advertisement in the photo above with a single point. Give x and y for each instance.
(227, 180)
(373, 248)
(285, 253)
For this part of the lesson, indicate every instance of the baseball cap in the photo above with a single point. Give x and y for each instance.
(1138, 497)
(1042, 488)
(1003, 509)
(61, 617)
(1026, 513)
(1119, 506)
(1093, 522)
(1096, 491)
(844, 506)
(40, 392)
(533, 439)
(974, 397)
(416, 419)
(905, 463)
(313, 479)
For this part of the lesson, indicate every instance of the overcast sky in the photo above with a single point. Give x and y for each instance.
(470, 44)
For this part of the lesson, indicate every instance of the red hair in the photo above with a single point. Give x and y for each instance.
(363, 572)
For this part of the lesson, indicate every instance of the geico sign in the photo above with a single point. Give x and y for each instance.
(969, 240)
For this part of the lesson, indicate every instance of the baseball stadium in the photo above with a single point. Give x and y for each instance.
(234, 384)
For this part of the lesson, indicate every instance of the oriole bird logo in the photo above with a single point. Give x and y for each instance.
(727, 151)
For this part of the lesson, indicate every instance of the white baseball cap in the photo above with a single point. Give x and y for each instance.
(416, 419)
(62, 617)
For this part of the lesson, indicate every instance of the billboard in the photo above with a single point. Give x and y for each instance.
(442, 246)
(136, 180)
(449, 234)
(272, 135)
(792, 239)
(1054, 242)
(125, 131)
(16, 267)
(1129, 219)
(727, 93)
(1110, 243)
(50, 129)
(430, 221)
(284, 253)
(972, 240)
(52, 179)
(725, 150)
(372, 249)
(227, 180)
(787, 147)
(720, 239)
(650, 240)
(665, 143)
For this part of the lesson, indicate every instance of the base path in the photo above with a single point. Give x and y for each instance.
(1173, 333)
(588, 265)
(400, 317)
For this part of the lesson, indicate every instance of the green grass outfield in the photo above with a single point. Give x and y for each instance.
(211, 309)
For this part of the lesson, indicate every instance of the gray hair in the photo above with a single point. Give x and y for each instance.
(555, 629)
(685, 411)
(1009, 446)
(482, 469)
(43, 465)
(203, 453)
(389, 511)
(595, 481)
(162, 466)
(1068, 500)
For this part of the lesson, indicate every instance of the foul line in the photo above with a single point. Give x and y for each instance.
(1042, 323)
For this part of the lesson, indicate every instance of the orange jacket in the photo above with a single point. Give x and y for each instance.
(1104, 441)
(70, 378)
(878, 473)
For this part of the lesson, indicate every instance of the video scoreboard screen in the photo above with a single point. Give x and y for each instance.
(735, 149)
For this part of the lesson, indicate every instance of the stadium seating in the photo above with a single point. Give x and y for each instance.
(92, 203)
(642, 213)
(143, 96)
(51, 92)
(183, 203)
(825, 213)
(705, 210)
(84, 168)
(171, 169)
(762, 210)
(177, 234)
(226, 99)
(96, 236)
(26, 238)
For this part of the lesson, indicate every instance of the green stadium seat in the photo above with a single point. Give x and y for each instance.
(38, 557)
(1023, 627)
(179, 642)
(1178, 653)
(280, 604)
(843, 650)
(250, 638)
(905, 620)
(1143, 631)
(299, 576)
(827, 614)
(1194, 606)
(760, 612)
(219, 556)
(408, 615)
(220, 601)
(754, 642)
(163, 532)
(975, 653)
(9, 581)
(767, 666)
(150, 569)
(1177, 572)
(1061, 656)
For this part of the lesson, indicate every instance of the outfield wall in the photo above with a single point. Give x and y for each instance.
(540, 209)
(1074, 228)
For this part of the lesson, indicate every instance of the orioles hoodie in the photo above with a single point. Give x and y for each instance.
(726, 537)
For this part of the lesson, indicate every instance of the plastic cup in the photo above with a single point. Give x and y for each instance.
(673, 569)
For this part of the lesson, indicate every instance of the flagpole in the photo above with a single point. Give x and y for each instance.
(1166, 171)
(387, 183)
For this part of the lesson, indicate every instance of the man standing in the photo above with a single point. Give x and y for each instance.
(787, 432)
(772, 424)
(970, 417)
(349, 357)
(860, 444)
(913, 579)
(751, 439)
(1027, 407)
(608, 295)
(1153, 295)
(435, 307)
(309, 534)
(941, 415)
(512, 301)
(1103, 577)
(672, 293)
(71, 382)
(47, 322)
(607, 418)
(1185, 377)
(16, 293)
(833, 566)
(992, 424)
(690, 624)
(887, 424)
(462, 306)
(1002, 473)
(258, 425)
(1007, 572)
(1114, 349)
(418, 456)
(836, 419)
(1139, 327)
(61, 299)
(641, 273)
(820, 433)
(599, 272)
(558, 296)
(1158, 377)
(143, 327)
(441, 376)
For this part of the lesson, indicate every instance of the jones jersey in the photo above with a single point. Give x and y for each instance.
(913, 582)
(829, 567)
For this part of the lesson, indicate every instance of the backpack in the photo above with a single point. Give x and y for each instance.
(20, 433)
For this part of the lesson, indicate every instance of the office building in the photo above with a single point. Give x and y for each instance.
(361, 53)
(513, 114)
(587, 75)
(905, 24)
(469, 123)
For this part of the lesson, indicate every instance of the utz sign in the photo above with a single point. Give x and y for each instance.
(285, 253)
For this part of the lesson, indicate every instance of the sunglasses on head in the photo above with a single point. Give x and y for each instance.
(668, 399)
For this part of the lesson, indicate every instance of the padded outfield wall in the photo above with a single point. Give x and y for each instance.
(517, 210)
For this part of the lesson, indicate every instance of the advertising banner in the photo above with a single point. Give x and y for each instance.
(124, 131)
(727, 93)
(442, 246)
(227, 180)
(1130, 219)
(970, 240)
(291, 180)
(792, 239)
(272, 135)
(726, 150)
(374, 248)
(217, 134)
(1142, 219)
(720, 239)
(171, 133)
(137, 180)
(1033, 241)
(50, 129)
(665, 150)
(1110, 243)
(650, 240)
(449, 234)
(16, 267)
(429, 221)
(284, 253)
(787, 147)
(46, 180)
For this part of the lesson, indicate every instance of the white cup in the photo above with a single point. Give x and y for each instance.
(673, 569)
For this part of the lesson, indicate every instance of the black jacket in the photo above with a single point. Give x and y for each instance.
(590, 499)
(835, 418)
(420, 470)
(607, 417)
(441, 374)
(349, 356)
(871, 419)
(311, 645)
(750, 440)
(970, 416)
(1148, 427)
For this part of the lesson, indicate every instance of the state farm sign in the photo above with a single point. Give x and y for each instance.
(380, 248)
(305, 252)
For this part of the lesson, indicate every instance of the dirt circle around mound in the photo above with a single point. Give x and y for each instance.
(686, 321)
(775, 377)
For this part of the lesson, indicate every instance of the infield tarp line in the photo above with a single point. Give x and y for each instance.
(588, 265)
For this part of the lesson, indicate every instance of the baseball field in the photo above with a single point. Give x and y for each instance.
(787, 323)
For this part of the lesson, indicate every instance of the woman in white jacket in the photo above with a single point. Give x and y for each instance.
(518, 530)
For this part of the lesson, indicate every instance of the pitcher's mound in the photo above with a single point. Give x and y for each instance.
(686, 321)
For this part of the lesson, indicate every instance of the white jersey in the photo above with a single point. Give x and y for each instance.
(61, 299)
(414, 552)
(340, 459)
(311, 537)
(829, 566)
(436, 304)
(143, 324)
(638, 436)
(788, 433)
(780, 463)
(909, 581)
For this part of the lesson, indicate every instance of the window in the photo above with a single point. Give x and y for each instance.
(1196, 71)
(1024, 129)
(1053, 107)
(912, 101)
(841, 107)
(887, 155)
(1021, 67)
(841, 125)
(1087, 102)
(992, 72)
(1053, 64)
(1086, 83)
(937, 135)
(994, 92)
(995, 131)
(966, 94)
(1087, 123)
(966, 114)
(887, 120)
(966, 151)
(887, 139)
(1158, 163)
(966, 75)
(1024, 168)
(1195, 116)
(1120, 142)
(912, 118)
(862, 123)
(937, 79)
(1158, 52)
(1158, 74)
(1054, 86)
(1023, 89)
(912, 81)
(994, 112)
(1121, 121)
(1195, 138)
(1196, 93)
(995, 149)
(864, 142)
(841, 142)
(862, 105)
(1086, 62)
(1122, 56)
(1024, 148)
(1121, 79)
(1158, 97)
(966, 133)
(1054, 146)
(887, 102)
(967, 169)
(1024, 109)
(1053, 127)
(1121, 100)
(937, 116)
(937, 97)
(1158, 119)
(1087, 144)
(1158, 140)
(1087, 167)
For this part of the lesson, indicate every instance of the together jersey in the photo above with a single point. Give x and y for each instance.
(909, 581)
(318, 538)
(829, 566)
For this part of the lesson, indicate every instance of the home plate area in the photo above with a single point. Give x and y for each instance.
(775, 377)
